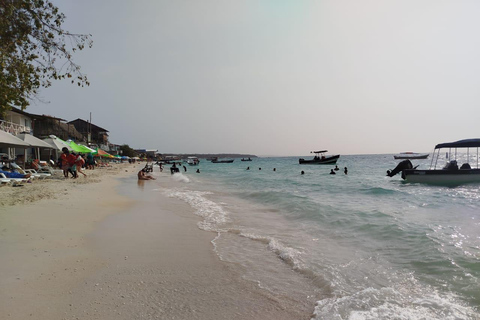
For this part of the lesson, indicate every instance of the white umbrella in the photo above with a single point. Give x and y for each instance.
(34, 141)
(9, 140)
(57, 143)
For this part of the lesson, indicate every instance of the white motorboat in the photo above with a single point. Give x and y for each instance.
(451, 173)
(193, 161)
(411, 155)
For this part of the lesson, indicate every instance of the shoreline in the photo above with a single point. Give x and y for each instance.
(103, 255)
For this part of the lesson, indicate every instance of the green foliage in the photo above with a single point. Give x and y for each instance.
(127, 151)
(34, 50)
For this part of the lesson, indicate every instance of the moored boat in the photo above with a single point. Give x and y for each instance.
(243, 159)
(193, 161)
(223, 161)
(451, 173)
(411, 155)
(320, 158)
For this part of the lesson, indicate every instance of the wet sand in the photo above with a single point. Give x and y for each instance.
(95, 254)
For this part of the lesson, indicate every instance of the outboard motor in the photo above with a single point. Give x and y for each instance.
(405, 164)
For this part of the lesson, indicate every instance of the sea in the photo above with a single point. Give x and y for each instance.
(346, 246)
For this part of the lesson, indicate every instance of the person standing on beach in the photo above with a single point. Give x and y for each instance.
(90, 162)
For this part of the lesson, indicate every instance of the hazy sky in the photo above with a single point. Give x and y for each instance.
(276, 77)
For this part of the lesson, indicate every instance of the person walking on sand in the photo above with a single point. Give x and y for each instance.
(65, 161)
(79, 162)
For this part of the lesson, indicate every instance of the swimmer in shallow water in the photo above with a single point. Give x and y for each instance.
(143, 176)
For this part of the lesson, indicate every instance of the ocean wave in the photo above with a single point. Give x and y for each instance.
(213, 214)
(292, 257)
(394, 303)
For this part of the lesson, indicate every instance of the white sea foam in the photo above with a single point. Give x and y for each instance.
(390, 303)
(212, 213)
(289, 255)
(179, 177)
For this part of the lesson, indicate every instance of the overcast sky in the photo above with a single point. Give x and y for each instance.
(275, 77)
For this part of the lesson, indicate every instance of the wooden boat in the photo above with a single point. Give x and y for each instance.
(223, 161)
(411, 155)
(451, 173)
(320, 158)
(243, 159)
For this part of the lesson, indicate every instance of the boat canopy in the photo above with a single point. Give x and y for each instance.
(467, 143)
(323, 151)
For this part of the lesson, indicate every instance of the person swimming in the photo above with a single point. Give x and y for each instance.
(332, 172)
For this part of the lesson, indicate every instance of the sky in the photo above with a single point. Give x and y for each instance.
(275, 77)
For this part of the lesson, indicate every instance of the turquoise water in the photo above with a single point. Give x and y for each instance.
(356, 246)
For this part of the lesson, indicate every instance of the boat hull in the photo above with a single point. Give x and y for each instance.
(411, 157)
(442, 177)
(326, 160)
(222, 161)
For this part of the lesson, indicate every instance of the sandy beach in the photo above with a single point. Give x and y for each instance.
(78, 249)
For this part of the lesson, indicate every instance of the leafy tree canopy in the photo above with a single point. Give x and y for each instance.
(127, 151)
(34, 50)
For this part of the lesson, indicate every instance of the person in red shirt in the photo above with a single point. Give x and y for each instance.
(72, 158)
(65, 162)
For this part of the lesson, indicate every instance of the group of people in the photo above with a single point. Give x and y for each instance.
(345, 170)
(332, 171)
(72, 163)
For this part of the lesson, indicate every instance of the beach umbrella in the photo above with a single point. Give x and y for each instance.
(57, 143)
(9, 141)
(34, 142)
(78, 147)
(101, 153)
(88, 148)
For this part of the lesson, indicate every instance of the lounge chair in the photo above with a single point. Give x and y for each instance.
(4, 180)
(40, 175)
(13, 181)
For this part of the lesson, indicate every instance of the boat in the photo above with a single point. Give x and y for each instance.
(243, 159)
(216, 160)
(193, 161)
(320, 158)
(450, 173)
(411, 155)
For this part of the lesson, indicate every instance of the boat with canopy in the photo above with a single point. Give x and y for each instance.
(451, 173)
(320, 158)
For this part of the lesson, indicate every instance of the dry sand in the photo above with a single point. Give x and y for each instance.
(76, 250)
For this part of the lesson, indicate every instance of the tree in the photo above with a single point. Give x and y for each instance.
(35, 50)
(127, 151)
